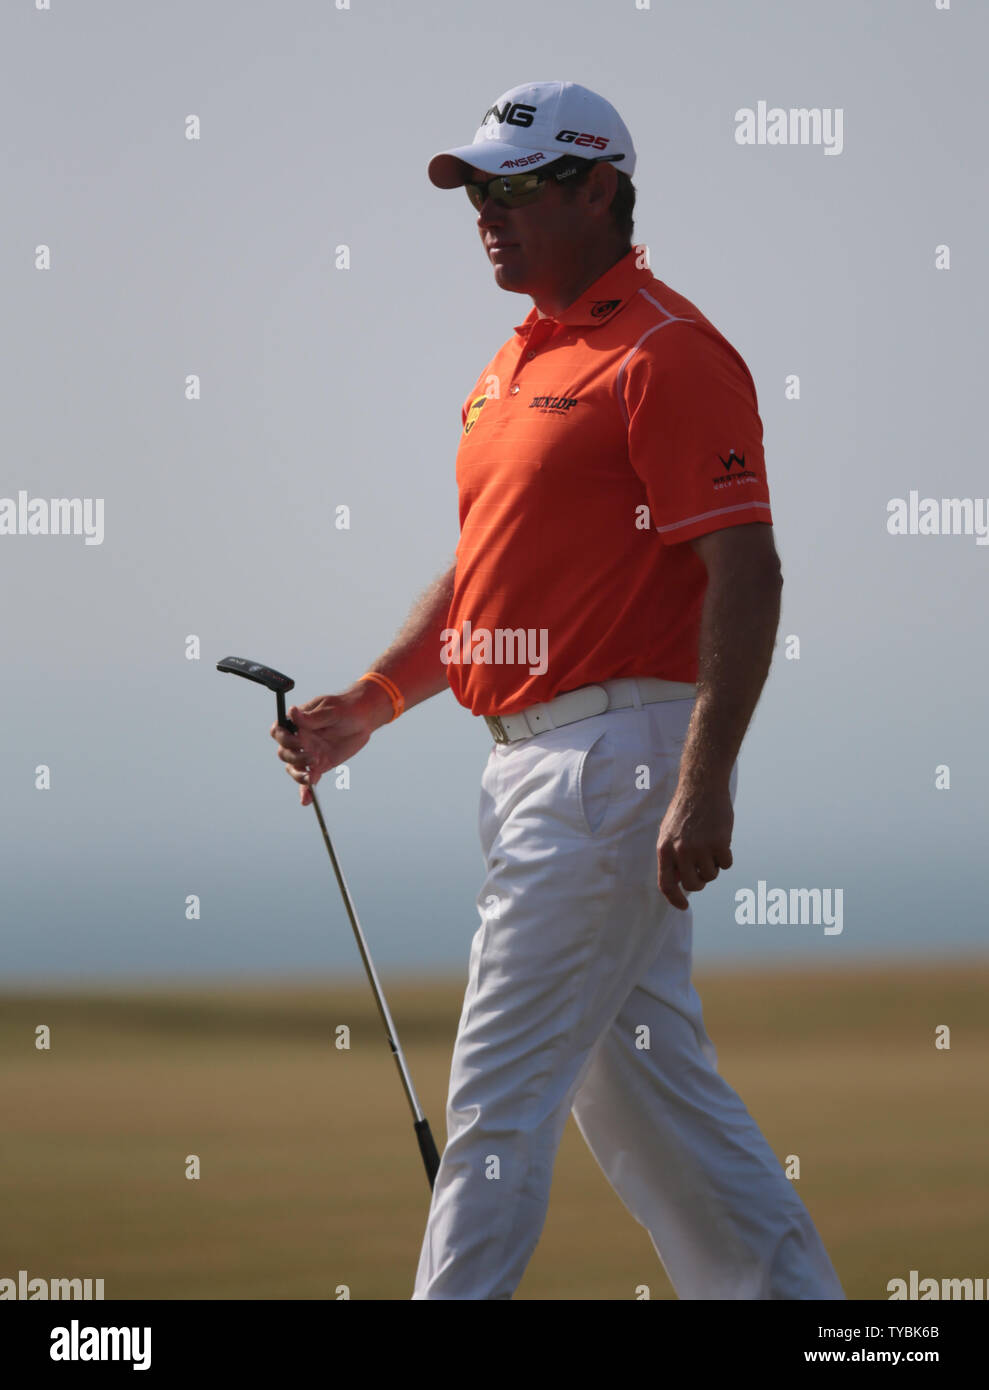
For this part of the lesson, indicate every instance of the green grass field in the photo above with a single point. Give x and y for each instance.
(311, 1177)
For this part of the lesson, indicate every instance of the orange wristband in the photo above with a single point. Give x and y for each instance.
(394, 694)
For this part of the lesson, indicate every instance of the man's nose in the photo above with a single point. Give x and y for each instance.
(490, 209)
(491, 213)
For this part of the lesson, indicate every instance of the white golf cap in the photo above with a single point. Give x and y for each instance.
(534, 124)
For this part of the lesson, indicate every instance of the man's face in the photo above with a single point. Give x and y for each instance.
(543, 244)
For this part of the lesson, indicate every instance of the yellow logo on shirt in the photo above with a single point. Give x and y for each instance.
(473, 413)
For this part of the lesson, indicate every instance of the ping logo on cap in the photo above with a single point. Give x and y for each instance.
(512, 113)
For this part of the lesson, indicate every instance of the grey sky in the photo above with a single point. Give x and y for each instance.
(323, 387)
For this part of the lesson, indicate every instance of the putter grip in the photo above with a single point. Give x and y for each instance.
(283, 718)
(428, 1150)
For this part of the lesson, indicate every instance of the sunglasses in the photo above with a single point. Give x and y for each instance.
(518, 190)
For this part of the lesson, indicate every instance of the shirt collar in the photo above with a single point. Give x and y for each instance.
(601, 301)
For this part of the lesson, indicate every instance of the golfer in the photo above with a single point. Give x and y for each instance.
(611, 615)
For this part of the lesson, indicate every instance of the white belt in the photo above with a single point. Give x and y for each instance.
(588, 700)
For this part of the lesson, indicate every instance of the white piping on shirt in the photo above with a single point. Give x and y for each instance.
(667, 320)
(718, 511)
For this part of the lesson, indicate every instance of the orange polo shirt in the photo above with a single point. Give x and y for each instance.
(594, 445)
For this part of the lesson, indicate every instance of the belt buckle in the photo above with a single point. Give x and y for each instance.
(497, 728)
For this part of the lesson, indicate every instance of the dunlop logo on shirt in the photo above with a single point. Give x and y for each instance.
(556, 405)
(473, 413)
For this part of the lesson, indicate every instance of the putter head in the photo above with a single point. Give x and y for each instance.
(254, 671)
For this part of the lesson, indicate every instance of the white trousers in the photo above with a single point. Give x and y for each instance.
(579, 998)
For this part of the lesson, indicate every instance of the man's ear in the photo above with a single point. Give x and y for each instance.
(603, 185)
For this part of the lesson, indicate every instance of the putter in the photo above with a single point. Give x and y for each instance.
(274, 680)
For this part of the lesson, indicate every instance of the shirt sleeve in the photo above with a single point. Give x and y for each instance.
(694, 434)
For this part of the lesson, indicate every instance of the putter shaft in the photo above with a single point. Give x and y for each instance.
(427, 1146)
(279, 683)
